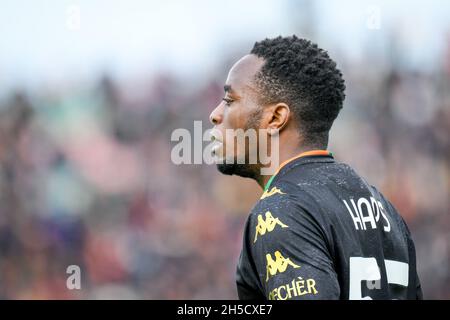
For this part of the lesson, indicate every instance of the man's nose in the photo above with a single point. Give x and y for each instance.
(216, 115)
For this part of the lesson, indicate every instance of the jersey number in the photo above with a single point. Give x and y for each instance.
(366, 269)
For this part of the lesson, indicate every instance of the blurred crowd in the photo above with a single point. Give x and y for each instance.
(86, 179)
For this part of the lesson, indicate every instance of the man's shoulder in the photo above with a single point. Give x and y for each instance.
(283, 199)
(280, 193)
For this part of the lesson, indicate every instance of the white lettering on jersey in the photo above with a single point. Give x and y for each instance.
(366, 214)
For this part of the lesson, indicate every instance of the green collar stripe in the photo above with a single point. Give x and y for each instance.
(268, 183)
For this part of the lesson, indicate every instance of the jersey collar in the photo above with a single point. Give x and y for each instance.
(301, 155)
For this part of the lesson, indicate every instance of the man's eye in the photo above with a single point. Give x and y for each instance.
(227, 101)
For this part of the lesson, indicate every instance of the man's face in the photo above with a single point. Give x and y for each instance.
(239, 109)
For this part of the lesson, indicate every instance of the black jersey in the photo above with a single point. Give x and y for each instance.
(320, 231)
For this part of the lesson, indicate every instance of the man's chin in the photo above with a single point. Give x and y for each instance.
(227, 169)
(242, 170)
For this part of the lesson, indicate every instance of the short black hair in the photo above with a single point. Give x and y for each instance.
(302, 75)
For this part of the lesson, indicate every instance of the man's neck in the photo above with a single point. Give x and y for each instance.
(284, 155)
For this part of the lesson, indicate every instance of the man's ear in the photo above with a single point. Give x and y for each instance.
(279, 117)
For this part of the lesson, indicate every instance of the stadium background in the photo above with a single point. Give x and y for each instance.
(91, 91)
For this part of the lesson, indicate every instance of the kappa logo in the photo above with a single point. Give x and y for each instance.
(267, 225)
(270, 193)
(279, 265)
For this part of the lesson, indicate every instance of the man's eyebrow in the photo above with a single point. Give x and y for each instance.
(227, 88)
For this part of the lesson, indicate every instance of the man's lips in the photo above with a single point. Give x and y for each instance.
(216, 138)
(216, 146)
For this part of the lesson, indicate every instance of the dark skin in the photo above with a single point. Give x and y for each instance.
(241, 103)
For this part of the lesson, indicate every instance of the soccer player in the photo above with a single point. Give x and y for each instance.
(319, 231)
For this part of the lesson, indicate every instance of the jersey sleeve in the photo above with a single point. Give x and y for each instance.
(414, 287)
(417, 287)
(419, 294)
(290, 251)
